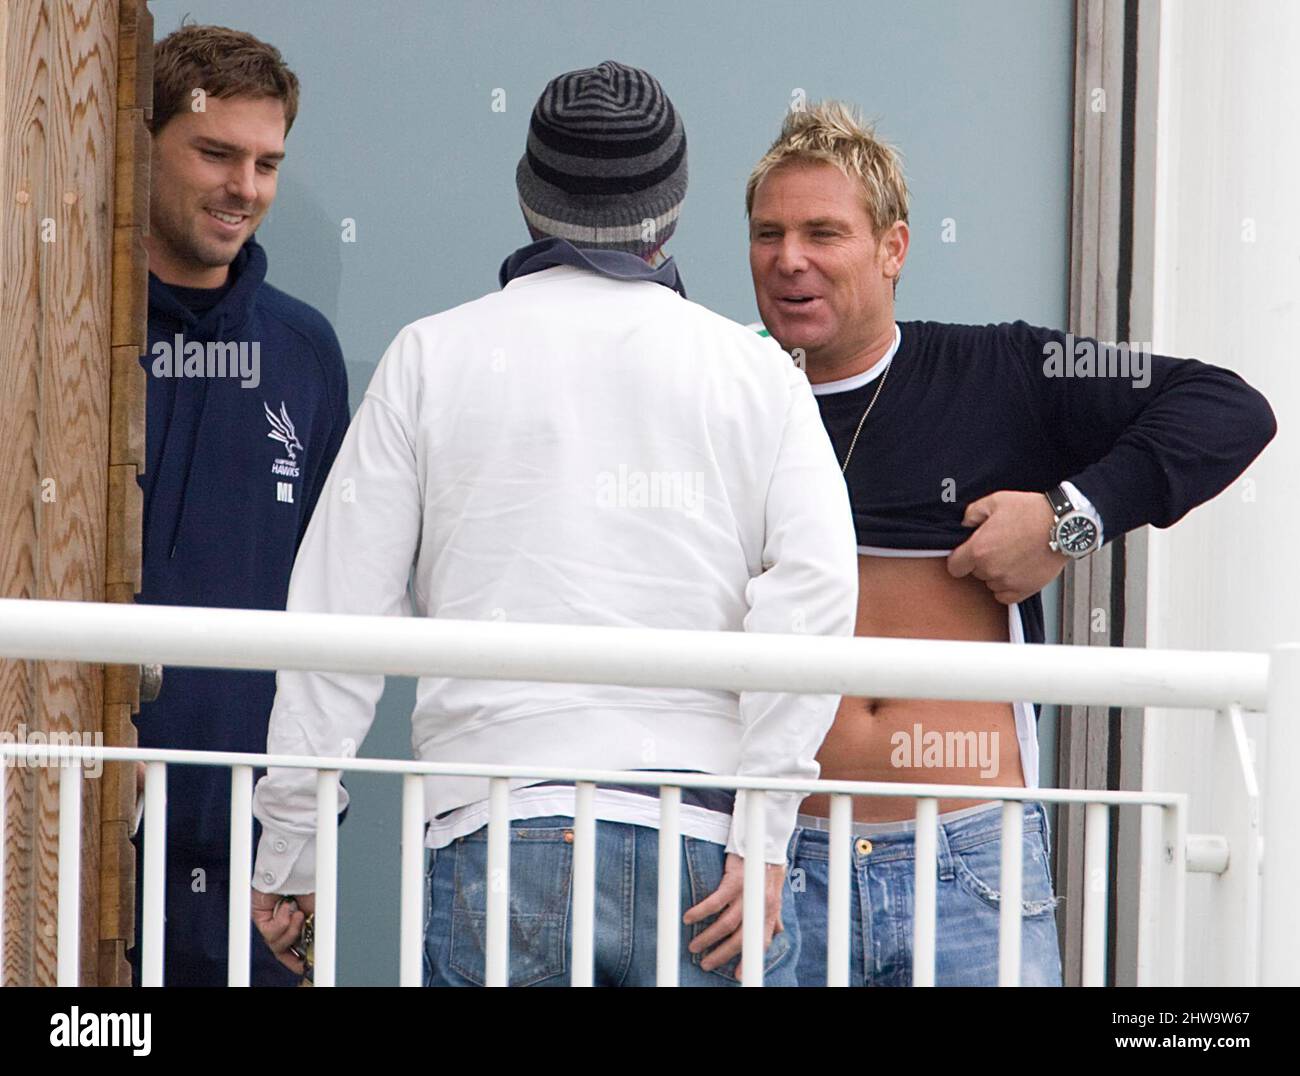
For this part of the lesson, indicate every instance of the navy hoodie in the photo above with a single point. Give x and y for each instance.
(233, 471)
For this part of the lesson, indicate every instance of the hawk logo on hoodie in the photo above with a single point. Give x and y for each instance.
(282, 430)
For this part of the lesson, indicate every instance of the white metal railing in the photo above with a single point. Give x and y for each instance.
(729, 661)
(329, 769)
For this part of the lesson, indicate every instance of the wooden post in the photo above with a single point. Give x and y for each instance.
(1099, 746)
(126, 447)
(71, 427)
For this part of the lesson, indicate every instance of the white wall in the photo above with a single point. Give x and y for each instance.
(1227, 161)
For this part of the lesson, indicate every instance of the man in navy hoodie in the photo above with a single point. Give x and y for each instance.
(247, 406)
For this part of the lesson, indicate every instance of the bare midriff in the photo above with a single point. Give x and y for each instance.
(876, 739)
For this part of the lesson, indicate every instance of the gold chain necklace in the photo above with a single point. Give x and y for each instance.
(874, 397)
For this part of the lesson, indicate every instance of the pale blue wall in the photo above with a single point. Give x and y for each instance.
(396, 131)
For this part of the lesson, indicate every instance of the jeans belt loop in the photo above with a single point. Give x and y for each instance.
(943, 853)
(1038, 811)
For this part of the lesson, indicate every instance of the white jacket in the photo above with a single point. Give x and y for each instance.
(572, 449)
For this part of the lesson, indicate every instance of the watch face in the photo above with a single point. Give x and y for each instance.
(1076, 534)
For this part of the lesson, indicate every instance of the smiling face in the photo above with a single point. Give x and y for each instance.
(823, 280)
(214, 178)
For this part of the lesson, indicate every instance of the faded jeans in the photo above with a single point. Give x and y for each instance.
(882, 874)
(541, 935)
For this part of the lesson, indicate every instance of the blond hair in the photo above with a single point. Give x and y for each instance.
(832, 131)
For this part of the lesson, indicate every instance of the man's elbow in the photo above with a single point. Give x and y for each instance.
(826, 601)
(1252, 417)
(1264, 421)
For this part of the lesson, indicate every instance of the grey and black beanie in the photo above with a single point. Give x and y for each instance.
(605, 165)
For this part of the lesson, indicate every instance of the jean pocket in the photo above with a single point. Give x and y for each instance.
(979, 871)
(704, 864)
(541, 866)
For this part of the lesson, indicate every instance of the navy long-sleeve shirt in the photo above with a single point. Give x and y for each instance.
(972, 409)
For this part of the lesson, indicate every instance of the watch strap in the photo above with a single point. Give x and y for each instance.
(1060, 501)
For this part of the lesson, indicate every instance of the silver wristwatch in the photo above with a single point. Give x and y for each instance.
(1072, 532)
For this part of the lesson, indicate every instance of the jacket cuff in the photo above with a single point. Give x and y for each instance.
(286, 864)
(781, 810)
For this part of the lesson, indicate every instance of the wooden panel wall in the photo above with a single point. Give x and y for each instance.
(126, 460)
(24, 37)
(59, 113)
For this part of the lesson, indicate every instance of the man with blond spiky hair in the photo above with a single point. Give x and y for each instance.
(979, 461)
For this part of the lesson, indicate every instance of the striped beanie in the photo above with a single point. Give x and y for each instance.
(605, 166)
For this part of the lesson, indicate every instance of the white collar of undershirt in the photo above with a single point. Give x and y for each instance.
(847, 384)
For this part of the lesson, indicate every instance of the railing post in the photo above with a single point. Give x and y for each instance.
(327, 870)
(584, 885)
(1172, 915)
(669, 923)
(239, 955)
(1010, 924)
(411, 951)
(497, 957)
(1280, 946)
(837, 895)
(924, 912)
(753, 956)
(69, 925)
(155, 873)
(1096, 854)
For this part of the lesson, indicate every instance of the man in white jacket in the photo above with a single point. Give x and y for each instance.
(584, 446)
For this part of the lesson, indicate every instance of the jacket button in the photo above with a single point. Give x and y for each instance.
(280, 846)
(268, 878)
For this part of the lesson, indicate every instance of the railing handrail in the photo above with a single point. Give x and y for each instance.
(733, 661)
(657, 778)
(634, 657)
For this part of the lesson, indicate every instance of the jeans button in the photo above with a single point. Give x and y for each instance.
(862, 846)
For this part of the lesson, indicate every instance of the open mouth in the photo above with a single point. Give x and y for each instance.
(797, 302)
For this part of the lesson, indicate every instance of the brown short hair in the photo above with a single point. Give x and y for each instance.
(221, 62)
(832, 132)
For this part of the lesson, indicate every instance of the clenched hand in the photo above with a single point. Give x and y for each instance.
(1008, 550)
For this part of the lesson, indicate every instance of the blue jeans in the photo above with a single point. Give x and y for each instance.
(882, 872)
(541, 933)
